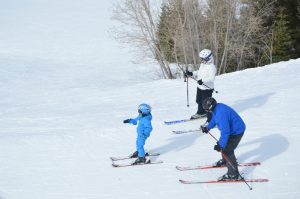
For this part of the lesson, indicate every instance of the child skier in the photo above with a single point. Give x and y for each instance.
(144, 129)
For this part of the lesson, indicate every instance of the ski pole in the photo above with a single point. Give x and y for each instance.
(210, 88)
(187, 92)
(206, 85)
(186, 79)
(230, 163)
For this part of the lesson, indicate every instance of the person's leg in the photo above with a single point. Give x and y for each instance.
(203, 94)
(200, 112)
(140, 142)
(230, 158)
(199, 101)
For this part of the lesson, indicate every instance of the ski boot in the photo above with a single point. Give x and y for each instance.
(197, 116)
(140, 160)
(220, 163)
(230, 177)
(134, 155)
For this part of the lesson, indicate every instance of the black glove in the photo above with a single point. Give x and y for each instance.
(126, 121)
(200, 82)
(188, 73)
(204, 129)
(217, 147)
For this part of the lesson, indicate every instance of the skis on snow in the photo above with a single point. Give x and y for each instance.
(187, 131)
(222, 181)
(148, 161)
(246, 181)
(128, 157)
(186, 168)
(181, 121)
(132, 164)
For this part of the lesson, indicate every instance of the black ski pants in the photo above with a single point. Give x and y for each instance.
(201, 95)
(230, 158)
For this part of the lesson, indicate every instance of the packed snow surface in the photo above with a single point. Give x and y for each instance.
(66, 87)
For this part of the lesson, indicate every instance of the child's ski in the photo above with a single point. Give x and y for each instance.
(187, 131)
(223, 181)
(185, 168)
(131, 164)
(128, 157)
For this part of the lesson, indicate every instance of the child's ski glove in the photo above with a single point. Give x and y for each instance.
(126, 121)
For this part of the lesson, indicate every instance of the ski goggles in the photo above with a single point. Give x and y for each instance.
(206, 59)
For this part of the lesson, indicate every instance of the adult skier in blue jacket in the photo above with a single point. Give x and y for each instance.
(232, 129)
(144, 129)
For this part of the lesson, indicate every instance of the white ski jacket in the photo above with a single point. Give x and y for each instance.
(206, 72)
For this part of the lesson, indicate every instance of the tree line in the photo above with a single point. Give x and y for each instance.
(241, 33)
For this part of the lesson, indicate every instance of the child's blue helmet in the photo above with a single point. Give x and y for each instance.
(144, 108)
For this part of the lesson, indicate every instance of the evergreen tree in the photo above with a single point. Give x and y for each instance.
(283, 42)
(166, 42)
(293, 25)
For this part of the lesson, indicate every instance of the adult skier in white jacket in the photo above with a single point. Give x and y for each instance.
(205, 78)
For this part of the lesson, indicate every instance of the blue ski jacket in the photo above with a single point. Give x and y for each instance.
(144, 129)
(227, 121)
(144, 123)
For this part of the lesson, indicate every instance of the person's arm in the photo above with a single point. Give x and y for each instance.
(134, 121)
(211, 123)
(225, 132)
(211, 74)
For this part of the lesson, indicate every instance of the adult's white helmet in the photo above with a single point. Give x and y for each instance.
(205, 55)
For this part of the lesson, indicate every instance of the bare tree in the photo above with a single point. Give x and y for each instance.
(236, 31)
(233, 29)
(140, 29)
(220, 15)
(185, 20)
(252, 31)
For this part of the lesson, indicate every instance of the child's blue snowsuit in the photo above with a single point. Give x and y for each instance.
(144, 129)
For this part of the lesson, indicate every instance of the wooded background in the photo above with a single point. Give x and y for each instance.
(241, 33)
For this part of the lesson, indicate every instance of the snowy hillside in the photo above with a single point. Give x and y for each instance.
(66, 87)
(66, 35)
(56, 139)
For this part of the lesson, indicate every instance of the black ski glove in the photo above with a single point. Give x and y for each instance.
(217, 147)
(126, 121)
(200, 82)
(188, 73)
(204, 129)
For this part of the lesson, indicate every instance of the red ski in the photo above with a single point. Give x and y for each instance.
(224, 181)
(247, 164)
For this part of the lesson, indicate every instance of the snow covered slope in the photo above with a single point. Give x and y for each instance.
(64, 35)
(56, 139)
(66, 87)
